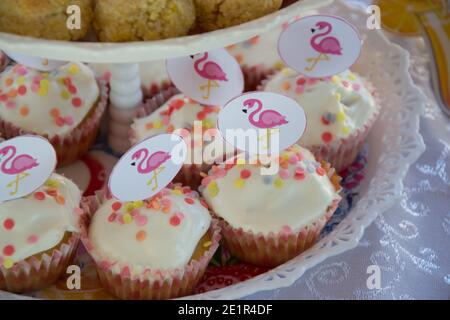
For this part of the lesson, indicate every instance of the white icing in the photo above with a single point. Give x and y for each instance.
(165, 246)
(47, 94)
(46, 219)
(260, 206)
(351, 108)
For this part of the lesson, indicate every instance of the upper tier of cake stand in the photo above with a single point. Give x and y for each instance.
(130, 52)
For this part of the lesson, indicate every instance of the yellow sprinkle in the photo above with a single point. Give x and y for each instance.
(351, 76)
(127, 218)
(129, 206)
(240, 161)
(208, 123)
(340, 116)
(177, 192)
(207, 244)
(278, 65)
(65, 94)
(8, 263)
(61, 80)
(45, 83)
(335, 79)
(138, 204)
(52, 183)
(345, 130)
(278, 183)
(213, 189)
(73, 69)
(43, 91)
(21, 80)
(239, 183)
(286, 72)
(157, 124)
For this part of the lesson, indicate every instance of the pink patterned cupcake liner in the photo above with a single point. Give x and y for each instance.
(275, 248)
(343, 152)
(39, 271)
(138, 282)
(70, 146)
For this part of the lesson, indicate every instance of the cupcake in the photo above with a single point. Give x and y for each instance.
(267, 220)
(3, 61)
(44, 19)
(65, 106)
(340, 111)
(119, 21)
(179, 112)
(39, 235)
(218, 14)
(153, 249)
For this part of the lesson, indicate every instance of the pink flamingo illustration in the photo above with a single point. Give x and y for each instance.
(326, 46)
(210, 71)
(268, 119)
(153, 163)
(18, 166)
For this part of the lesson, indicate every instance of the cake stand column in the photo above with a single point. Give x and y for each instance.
(126, 95)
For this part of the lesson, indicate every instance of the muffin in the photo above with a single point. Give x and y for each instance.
(119, 21)
(267, 220)
(153, 249)
(65, 106)
(44, 19)
(340, 111)
(218, 14)
(179, 112)
(39, 235)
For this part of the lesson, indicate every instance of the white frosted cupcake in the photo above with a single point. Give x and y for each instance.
(180, 112)
(153, 249)
(39, 235)
(340, 112)
(64, 105)
(268, 219)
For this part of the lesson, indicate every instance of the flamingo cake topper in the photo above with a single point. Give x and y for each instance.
(147, 167)
(26, 162)
(320, 45)
(211, 71)
(267, 111)
(210, 78)
(323, 44)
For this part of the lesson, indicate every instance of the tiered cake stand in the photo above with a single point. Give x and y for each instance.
(394, 142)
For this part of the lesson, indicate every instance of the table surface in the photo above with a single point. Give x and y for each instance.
(410, 242)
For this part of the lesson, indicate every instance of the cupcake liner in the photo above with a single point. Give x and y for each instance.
(38, 272)
(253, 76)
(138, 282)
(343, 152)
(4, 61)
(155, 88)
(275, 248)
(74, 144)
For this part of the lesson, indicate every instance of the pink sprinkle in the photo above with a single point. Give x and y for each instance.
(345, 83)
(293, 159)
(22, 71)
(37, 78)
(165, 120)
(3, 97)
(141, 220)
(166, 202)
(311, 81)
(32, 239)
(286, 229)
(35, 87)
(174, 220)
(73, 89)
(284, 174)
(76, 102)
(299, 89)
(134, 213)
(68, 120)
(221, 173)
(10, 104)
(356, 87)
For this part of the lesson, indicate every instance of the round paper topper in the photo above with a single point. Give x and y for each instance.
(26, 162)
(148, 167)
(262, 122)
(210, 78)
(320, 45)
(35, 62)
